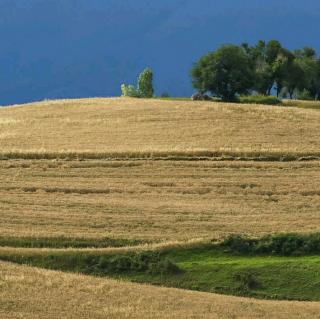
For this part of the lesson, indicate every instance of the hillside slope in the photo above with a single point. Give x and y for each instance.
(111, 127)
(32, 293)
(81, 177)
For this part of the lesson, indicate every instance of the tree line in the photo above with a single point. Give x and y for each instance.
(264, 68)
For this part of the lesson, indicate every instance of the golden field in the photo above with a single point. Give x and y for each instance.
(31, 293)
(157, 200)
(122, 126)
(171, 173)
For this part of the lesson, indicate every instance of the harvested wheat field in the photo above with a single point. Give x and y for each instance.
(122, 127)
(33, 293)
(157, 200)
(136, 190)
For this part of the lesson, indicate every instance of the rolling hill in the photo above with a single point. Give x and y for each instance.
(119, 127)
(146, 191)
(99, 168)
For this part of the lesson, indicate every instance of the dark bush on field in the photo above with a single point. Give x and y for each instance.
(304, 96)
(100, 265)
(239, 244)
(283, 244)
(246, 281)
(147, 262)
(260, 99)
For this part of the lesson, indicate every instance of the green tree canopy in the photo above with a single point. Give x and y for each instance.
(225, 73)
(145, 84)
(261, 68)
(144, 88)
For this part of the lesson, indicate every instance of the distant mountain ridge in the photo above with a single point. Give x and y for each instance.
(79, 48)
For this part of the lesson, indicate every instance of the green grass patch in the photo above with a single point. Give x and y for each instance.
(248, 99)
(174, 98)
(270, 277)
(260, 99)
(285, 267)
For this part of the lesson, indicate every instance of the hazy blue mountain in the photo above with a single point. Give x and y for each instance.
(76, 48)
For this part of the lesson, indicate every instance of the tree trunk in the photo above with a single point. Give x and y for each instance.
(291, 94)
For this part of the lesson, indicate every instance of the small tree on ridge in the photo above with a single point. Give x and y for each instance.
(145, 84)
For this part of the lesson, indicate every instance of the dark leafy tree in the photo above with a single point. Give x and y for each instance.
(311, 69)
(314, 84)
(264, 75)
(268, 60)
(295, 77)
(225, 73)
(260, 68)
(145, 84)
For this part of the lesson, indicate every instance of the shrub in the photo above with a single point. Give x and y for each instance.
(129, 90)
(305, 96)
(238, 243)
(124, 90)
(167, 266)
(289, 244)
(260, 99)
(119, 264)
(132, 92)
(246, 280)
(145, 262)
(283, 244)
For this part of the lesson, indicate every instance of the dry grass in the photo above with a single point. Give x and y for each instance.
(157, 200)
(31, 293)
(10, 252)
(107, 127)
(302, 104)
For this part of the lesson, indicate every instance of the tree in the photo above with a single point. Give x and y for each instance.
(132, 92)
(266, 65)
(262, 62)
(295, 77)
(302, 74)
(129, 90)
(124, 90)
(281, 70)
(264, 78)
(269, 61)
(225, 73)
(311, 69)
(273, 49)
(314, 84)
(145, 84)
